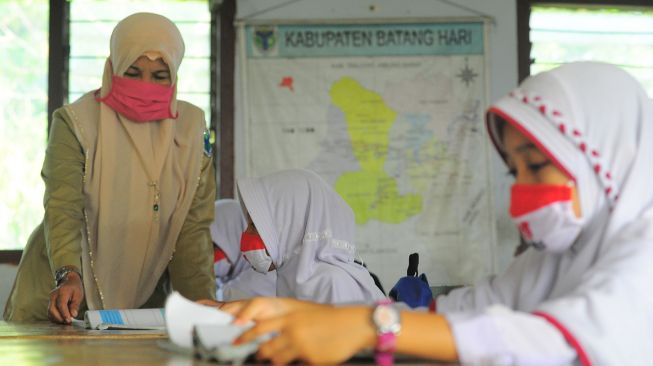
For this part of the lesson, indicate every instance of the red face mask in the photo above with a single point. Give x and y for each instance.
(544, 215)
(138, 100)
(254, 251)
(221, 264)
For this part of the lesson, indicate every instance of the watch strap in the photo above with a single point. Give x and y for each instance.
(61, 274)
(385, 347)
(386, 341)
(384, 358)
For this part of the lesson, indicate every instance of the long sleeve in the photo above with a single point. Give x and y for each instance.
(525, 284)
(499, 336)
(492, 321)
(63, 171)
(191, 267)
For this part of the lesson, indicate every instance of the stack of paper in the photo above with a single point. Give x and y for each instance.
(207, 330)
(182, 315)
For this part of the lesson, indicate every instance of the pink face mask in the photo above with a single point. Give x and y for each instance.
(138, 100)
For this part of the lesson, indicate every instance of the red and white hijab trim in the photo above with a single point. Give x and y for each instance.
(576, 136)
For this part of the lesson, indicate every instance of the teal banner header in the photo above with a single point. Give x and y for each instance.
(413, 39)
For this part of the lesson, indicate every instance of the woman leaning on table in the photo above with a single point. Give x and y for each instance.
(129, 189)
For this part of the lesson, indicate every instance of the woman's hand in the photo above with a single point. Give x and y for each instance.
(212, 303)
(222, 305)
(319, 334)
(260, 308)
(65, 299)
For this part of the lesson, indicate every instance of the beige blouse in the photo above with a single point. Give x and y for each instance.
(56, 242)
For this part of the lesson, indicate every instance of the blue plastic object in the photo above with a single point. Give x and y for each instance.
(412, 290)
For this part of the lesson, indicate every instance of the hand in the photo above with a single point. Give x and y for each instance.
(212, 303)
(319, 335)
(260, 308)
(65, 299)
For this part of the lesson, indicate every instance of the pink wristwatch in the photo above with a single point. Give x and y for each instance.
(387, 320)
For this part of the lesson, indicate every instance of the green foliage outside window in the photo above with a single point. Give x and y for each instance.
(23, 117)
(621, 36)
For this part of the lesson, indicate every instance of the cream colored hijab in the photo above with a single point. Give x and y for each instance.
(140, 178)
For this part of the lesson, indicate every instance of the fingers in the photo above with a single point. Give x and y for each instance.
(259, 308)
(62, 301)
(279, 350)
(65, 299)
(76, 299)
(247, 311)
(232, 307)
(261, 328)
(53, 311)
(212, 303)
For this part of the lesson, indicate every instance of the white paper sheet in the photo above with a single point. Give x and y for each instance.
(182, 315)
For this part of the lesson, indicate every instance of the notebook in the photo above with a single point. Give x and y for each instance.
(141, 319)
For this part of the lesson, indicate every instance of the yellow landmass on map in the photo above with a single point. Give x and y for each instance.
(370, 192)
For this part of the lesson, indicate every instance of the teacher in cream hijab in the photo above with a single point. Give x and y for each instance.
(142, 179)
(129, 189)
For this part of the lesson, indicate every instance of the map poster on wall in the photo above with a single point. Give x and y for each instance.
(392, 116)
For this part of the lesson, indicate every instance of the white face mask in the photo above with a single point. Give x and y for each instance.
(259, 259)
(222, 268)
(253, 249)
(545, 216)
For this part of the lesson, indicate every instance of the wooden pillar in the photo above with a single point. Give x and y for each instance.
(59, 52)
(225, 140)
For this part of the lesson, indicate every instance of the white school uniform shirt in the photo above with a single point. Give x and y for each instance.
(595, 122)
(243, 282)
(308, 230)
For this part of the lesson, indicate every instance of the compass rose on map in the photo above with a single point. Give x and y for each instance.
(467, 74)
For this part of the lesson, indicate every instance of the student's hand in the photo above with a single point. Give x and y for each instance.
(319, 335)
(212, 303)
(264, 308)
(65, 299)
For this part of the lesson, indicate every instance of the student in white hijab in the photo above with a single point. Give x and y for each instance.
(301, 227)
(235, 278)
(579, 140)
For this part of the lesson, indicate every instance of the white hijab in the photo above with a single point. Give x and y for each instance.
(227, 226)
(226, 229)
(308, 229)
(596, 122)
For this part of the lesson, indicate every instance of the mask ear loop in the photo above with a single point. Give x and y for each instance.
(571, 184)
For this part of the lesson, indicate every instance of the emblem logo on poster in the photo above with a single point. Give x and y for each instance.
(265, 40)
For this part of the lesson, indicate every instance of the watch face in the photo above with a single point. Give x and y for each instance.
(386, 319)
(60, 275)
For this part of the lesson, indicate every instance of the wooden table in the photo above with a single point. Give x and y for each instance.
(45, 344)
(52, 344)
